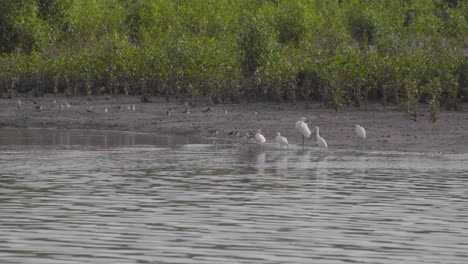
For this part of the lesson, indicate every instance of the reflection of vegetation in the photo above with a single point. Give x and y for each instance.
(222, 171)
(8, 181)
(147, 172)
(341, 52)
(32, 189)
(3, 200)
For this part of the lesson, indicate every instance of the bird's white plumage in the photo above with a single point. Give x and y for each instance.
(282, 141)
(303, 128)
(321, 142)
(259, 138)
(360, 131)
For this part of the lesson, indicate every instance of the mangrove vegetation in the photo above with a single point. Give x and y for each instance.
(339, 52)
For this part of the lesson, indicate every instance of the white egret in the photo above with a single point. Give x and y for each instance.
(321, 142)
(303, 128)
(282, 141)
(259, 138)
(361, 134)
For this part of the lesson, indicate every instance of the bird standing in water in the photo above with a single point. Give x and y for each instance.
(303, 128)
(321, 142)
(361, 135)
(259, 138)
(282, 141)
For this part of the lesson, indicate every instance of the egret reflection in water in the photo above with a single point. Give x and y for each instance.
(115, 197)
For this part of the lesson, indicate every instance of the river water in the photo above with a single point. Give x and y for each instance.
(115, 197)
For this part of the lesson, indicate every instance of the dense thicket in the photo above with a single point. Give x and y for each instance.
(341, 52)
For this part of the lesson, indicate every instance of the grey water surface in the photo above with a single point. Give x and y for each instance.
(74, 196)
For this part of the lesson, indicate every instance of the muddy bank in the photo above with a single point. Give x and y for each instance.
(387, 129)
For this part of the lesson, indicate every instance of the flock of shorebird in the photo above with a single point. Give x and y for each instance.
(66, 105)
(249, 137)
(301, 127)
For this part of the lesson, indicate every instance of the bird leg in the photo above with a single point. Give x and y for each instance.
(303, 141)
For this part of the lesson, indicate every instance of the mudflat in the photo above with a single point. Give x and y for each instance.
(388, 128)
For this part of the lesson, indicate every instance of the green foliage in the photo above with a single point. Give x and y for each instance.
(339, 52)
(253, 41)
(289, 22)
(361, 26)
(434, 89)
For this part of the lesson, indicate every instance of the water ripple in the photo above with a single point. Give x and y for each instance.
(160, 203)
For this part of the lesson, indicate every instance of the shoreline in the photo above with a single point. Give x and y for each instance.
(388, 129)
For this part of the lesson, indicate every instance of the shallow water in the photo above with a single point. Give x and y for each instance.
(115, 197)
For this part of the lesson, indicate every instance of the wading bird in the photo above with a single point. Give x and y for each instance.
(320, 140)
(213, 132)
(303, 128)
(282, 141)
(259, 138)
(169, 112)
(361, 134)
(234, 133)
(209, 109)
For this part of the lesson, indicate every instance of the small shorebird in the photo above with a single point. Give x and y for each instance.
(361, 134)
(67, 104)
(169, 112)
(186, 111)
(282, 141)
(209, 109)
(303, 128)
(234, 133)
(249, 138)
(105, 110)
(38, 107)
(225, 111)
(119, 107)
(213, 132)
(133, 107)
(321, 142)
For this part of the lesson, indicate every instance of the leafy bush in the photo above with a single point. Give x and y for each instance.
(339, 52)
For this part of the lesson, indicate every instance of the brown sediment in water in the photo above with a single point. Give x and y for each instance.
(388, 129)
